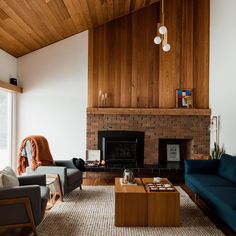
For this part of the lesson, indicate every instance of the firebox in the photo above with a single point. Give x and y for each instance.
(121, 148)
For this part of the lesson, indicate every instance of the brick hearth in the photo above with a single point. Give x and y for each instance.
(195, 127)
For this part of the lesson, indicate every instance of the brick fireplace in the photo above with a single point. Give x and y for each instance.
(192, 128)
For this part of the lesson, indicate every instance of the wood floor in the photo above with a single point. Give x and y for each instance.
(96, 181)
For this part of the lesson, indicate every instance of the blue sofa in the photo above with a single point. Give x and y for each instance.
(214, 181)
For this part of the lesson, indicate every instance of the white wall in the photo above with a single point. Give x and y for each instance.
(54, 100)
(8, 66)
(223, 70)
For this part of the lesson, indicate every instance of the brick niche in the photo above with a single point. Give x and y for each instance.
(194, 127)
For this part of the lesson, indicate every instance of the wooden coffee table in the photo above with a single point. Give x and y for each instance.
(135, 205)
(130, 204)
(163, 206)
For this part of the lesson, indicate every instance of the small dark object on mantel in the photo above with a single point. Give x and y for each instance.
(13, 81)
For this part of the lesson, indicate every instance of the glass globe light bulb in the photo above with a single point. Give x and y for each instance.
(166, 47)
(157, 40)
(162, 30)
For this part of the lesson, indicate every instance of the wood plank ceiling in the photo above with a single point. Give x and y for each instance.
(27, 25)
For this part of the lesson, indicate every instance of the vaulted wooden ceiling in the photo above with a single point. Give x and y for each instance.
(27, 25)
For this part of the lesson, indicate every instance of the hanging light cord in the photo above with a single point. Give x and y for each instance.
(161, 37)
(162, 18)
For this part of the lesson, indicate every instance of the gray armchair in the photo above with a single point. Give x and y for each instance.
(24, 205)
(70, 176)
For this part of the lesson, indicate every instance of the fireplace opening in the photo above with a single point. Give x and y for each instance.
(122, 148)
(174, 150)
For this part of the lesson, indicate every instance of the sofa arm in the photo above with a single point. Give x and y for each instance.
(65, 163)
(17, 212)
(32, 180)
(43, 170)
(201, 166)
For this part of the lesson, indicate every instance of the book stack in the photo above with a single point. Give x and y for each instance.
(153, 187)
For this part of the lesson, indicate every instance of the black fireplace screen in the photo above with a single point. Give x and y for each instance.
(122, 147)
(120, 150)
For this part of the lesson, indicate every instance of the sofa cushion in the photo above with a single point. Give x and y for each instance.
(222, 195)
(227, 167)
(73, 175)
(204, 180)
(222, 200)
(8, 178)
(201, 166)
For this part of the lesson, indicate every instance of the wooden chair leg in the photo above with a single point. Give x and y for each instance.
(30, 214)
(26, 202)
(80, 187)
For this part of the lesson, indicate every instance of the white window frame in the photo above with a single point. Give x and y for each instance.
(13, 152)
(12, 128)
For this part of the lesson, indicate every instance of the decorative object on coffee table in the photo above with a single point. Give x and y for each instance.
(154, 187)
(128, 177)
(157, 179)
(127, 183)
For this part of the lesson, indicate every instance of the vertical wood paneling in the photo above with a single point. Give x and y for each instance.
(95, 77)
(136, 72)
(91, 82)
(201, 53)
(126, 61)
(126, 56)
(139, 64)
(117, 55)
(155, 65)
(145, 58)
(186, 76)
(169, 72)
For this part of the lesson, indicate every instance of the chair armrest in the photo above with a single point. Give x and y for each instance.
(32, 180)
(201, 166)
(66, 163)
(43, 170)
(17, 212)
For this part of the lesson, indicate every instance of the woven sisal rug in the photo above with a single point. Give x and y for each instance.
(90, 212)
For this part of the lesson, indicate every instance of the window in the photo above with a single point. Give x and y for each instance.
(5, 128)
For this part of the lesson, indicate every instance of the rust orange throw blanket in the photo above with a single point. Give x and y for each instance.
(41, 155)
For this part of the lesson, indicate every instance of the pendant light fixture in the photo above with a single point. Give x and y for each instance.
(161, 37)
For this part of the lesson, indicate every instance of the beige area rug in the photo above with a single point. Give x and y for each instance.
(90, 212)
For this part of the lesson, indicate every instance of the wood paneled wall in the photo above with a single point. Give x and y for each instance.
(125, 63)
